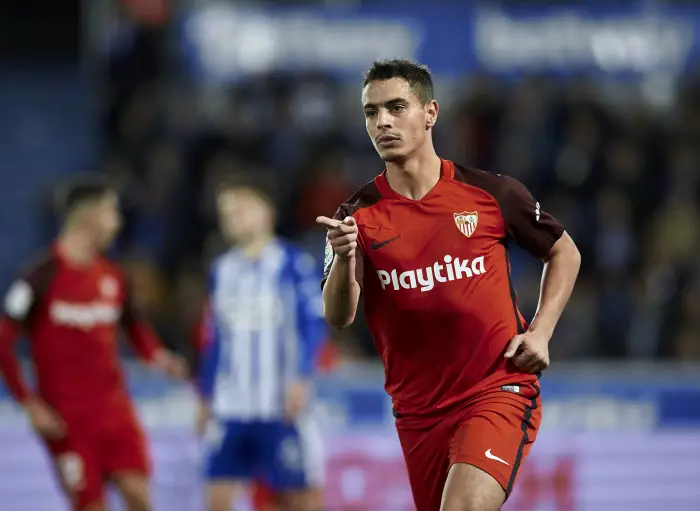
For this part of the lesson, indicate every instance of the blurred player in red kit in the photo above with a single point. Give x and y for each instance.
(426, 243)
(71, 306)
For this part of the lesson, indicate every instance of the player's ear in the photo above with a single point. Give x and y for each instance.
(431, 114)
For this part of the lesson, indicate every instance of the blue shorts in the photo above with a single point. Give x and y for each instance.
(273, 451)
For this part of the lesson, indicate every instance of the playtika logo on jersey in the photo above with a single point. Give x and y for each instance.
(84, 315)
(425, 278)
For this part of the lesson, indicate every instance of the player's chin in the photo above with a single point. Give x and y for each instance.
(391, 154)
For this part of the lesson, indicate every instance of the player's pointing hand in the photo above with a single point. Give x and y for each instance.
(529, 352)
(342, 236)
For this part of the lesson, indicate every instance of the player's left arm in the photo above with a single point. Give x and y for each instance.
(544, 237)
(311, 327)
(208, 363)
(146, 342)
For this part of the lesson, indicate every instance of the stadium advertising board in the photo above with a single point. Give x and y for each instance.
(222, 42)
(586, 471)
(625, 441)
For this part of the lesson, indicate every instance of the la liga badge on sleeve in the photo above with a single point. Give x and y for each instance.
(466, 222)
(328, 256)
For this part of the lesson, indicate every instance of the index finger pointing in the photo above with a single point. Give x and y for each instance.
(329, 223)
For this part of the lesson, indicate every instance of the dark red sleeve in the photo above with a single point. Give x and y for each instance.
(19, 308)
(526, 222)
(140, 334)
(329, 255)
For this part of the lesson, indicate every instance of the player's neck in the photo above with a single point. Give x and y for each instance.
(254, 247)
(415, 176)
(76, 248)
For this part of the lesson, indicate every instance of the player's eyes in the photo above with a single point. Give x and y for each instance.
(370, 113)
(397, 108)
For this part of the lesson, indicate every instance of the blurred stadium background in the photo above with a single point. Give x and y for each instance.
(594, 105)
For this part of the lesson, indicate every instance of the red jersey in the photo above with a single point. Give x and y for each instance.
(72, 316)
(435, 276)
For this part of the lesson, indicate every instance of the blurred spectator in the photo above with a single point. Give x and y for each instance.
(324, 188)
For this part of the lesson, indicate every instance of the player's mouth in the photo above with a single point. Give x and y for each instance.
(387, 140)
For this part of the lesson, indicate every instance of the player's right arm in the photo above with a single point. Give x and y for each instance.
(20, 304)
(146, 342)
(342, 265)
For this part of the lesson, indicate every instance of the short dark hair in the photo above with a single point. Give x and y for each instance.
(82, 190)
(417, 75)
(258, 182)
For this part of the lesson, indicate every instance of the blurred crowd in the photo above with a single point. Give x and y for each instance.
(623, 177)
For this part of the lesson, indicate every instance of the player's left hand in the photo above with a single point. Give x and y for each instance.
(529, 352)
(296, 400)
(171, 364)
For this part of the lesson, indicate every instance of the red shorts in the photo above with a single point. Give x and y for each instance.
(494, 433)
(91, 453)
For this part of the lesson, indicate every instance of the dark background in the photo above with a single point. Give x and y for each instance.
(102, 88)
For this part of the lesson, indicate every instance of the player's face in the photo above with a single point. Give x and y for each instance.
(243, 215)
(397, 122)
(106, 219)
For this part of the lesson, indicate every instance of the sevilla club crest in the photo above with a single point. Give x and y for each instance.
(466, 222)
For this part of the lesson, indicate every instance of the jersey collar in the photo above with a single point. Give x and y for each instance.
(447, 171)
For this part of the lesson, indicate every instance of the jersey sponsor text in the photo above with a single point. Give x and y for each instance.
(84, 315)
(425, 278)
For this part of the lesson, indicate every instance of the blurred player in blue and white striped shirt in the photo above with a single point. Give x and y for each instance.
(264, 327)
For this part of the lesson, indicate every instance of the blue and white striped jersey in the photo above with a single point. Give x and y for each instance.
(264, 326)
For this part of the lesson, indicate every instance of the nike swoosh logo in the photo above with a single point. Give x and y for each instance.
(377, 246)
(492, 457)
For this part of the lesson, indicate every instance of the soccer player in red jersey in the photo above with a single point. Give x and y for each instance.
(71, 306)
(426, 243)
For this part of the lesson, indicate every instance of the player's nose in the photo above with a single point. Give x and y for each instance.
(383, 120)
